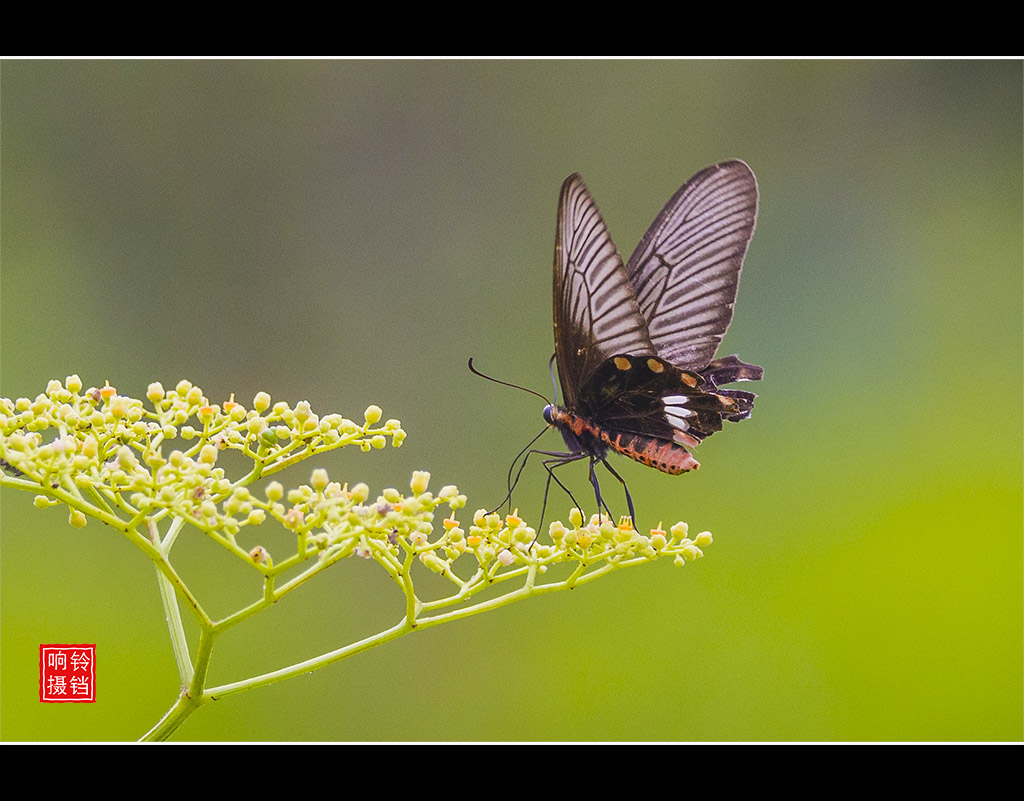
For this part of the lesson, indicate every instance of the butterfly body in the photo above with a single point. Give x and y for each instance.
(634, 342)
(582, 436)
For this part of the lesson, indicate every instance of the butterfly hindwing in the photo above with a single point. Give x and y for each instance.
(686, 269)
(649, 396)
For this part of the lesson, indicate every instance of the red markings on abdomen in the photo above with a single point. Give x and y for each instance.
(664, 455)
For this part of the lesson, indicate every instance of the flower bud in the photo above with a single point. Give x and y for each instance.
(119, 406)
(420, 479)
(319, 479)
(208, 454)
(691, 552)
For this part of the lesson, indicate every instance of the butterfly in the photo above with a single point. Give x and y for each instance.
(635, 342)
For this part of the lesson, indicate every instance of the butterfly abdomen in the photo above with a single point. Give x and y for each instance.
(581, 434)
(663, 455)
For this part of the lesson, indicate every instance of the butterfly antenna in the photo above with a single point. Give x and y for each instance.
(473, 370)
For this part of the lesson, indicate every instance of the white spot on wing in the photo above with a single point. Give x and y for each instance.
(676, 421)
(676, 411)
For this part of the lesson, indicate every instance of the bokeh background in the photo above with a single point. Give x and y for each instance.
(351, 232)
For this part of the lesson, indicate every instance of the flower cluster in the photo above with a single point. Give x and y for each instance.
(337, 518)
(150, 468)
(504, 543)
(108, 449)
(110, 456)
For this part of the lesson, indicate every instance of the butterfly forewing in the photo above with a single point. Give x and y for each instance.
(595, 308)
(686, 269)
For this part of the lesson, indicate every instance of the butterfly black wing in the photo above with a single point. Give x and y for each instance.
(686, 269)
(595, 309)
(654, 398)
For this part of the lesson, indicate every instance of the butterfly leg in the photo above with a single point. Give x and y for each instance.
(601, 505)
(10, 468)
(512, 483)
(622, 481)
(550, 465)
(525, 454)
(558, 458)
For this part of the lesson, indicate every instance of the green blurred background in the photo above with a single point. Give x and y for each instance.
(351, 232)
